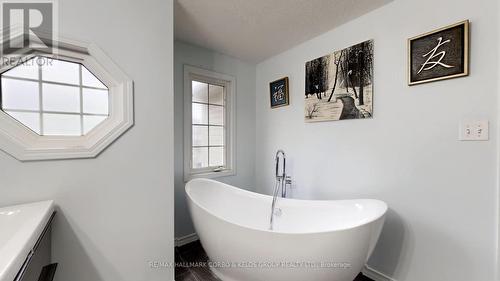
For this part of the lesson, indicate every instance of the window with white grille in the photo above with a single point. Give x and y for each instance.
(68, 104)
(54, 97)
(209, 112)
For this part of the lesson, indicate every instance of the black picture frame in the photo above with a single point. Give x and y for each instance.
(278, 93)
(339, 85)
(439, 54)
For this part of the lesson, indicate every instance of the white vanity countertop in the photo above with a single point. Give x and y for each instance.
(20, 228)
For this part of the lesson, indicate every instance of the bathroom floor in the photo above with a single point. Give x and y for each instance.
(194, 254)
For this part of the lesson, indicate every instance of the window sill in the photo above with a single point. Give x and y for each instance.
(210, 175)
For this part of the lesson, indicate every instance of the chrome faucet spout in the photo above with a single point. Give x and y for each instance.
(277, 159)
(281, 177)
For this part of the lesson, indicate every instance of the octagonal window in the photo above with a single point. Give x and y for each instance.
(54, 97)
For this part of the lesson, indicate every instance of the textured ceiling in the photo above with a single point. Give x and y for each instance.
(254, 30)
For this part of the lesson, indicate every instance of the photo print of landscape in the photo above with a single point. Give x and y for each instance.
(340, 85)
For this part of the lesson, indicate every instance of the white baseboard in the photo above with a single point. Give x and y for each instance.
(181, 241)
(376, 275)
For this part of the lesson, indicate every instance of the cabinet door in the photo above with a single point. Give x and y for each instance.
(38, 266)
(41, 257)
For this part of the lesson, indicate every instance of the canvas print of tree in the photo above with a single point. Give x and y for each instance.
(340, 85)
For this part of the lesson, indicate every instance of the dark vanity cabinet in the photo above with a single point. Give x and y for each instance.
(38, 266)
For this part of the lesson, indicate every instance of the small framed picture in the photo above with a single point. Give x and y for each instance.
(439, 54)
(279, 92)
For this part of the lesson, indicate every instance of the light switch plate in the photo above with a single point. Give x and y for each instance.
(474, 130)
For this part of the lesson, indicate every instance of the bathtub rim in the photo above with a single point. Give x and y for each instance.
(187, 189)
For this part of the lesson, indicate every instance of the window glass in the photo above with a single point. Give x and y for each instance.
(216, 95)
(208, 132)
(200, 114)
(200, 157)
(90, 122)
(61, 98)
(95, 101)
(216, 114)
(61, 124)
(19, 94)
(28, 119)
(89, 80)
(216, 156)
(54, 97)
(200, 92)
(61, 71)
(216, 135)
(29, 70)
(200, 135)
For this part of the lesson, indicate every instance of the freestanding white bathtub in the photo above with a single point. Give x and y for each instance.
(311, 240)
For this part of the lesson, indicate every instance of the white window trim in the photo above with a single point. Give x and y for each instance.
(229, 82)
(25, 145)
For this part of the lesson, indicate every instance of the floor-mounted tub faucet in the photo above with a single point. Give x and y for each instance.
(282, 180)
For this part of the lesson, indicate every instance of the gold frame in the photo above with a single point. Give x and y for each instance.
(466, 53)
(286, 93)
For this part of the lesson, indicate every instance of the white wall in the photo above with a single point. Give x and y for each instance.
(115, 211)
(442, 193)
(245, 122)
